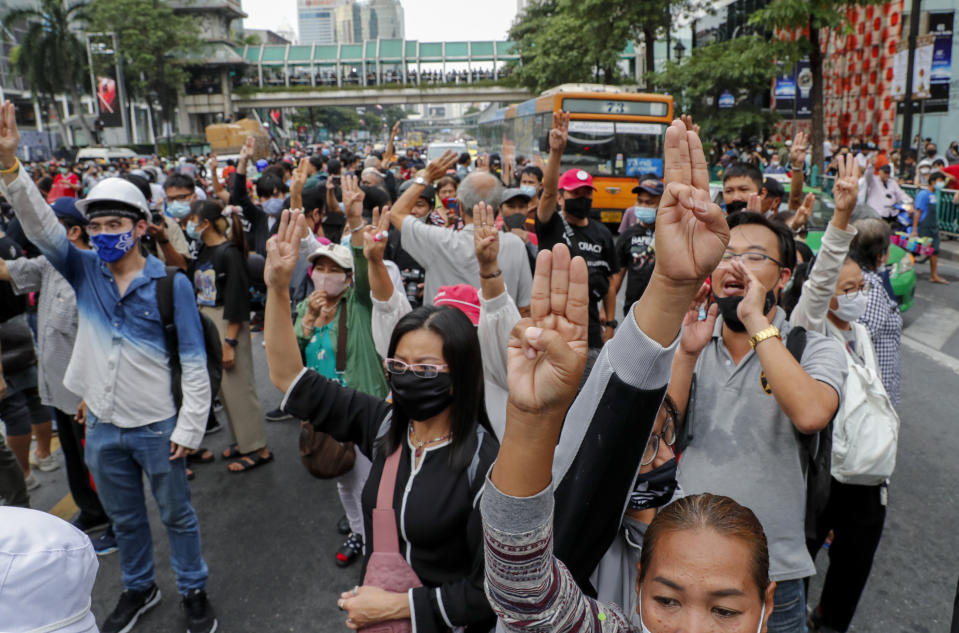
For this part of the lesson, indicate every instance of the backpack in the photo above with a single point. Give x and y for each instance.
(211, 340)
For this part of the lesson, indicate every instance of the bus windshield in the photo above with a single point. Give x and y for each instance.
(615, 148)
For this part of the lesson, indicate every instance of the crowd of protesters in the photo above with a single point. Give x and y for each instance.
(506, 446)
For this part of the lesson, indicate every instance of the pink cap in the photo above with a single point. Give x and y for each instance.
(463, 297)
(574, 179)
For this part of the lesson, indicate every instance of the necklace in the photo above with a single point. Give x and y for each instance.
(421, 444)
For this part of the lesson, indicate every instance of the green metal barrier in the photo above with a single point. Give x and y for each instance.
(948, 212)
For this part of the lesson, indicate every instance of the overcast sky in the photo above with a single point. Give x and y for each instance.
(426, 20)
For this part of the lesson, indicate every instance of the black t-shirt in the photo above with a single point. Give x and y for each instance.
(635, 251)
(594, 243)
(220, 278)
(11, 304)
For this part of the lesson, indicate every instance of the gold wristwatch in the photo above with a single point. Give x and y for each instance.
(762, 335)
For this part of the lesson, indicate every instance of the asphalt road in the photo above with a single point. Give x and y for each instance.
(269, 535)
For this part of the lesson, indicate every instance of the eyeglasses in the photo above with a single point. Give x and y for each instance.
(852, 292)
(110, 226)
(751, 259)
(668, 435)
(421, 370)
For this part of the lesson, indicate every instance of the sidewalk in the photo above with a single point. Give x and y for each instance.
(949, 249)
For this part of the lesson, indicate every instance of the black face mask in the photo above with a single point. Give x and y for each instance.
(577, 207)
(655, 488)
(729, 305)
(735, 206)
(515, 221)
(421, 398)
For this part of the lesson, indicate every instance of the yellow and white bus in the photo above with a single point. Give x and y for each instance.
(616, 136)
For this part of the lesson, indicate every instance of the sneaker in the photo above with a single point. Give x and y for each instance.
(277, 415)
(87, 527)
(349, 551)
(216, 427)
(32, 482)
(343, 526)
(200, 617)
(44, 464)
(105, 544)
(131, 606)
(217, 406)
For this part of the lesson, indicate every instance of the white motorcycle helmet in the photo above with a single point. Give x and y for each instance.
(116, 190)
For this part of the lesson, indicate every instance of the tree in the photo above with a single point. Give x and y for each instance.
(652, 19)
(741, 66)
(152, 41)
(337, 119)
(50, 57)
(809, 18)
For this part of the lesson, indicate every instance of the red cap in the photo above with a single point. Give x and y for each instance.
(574, 179)
(463, 297)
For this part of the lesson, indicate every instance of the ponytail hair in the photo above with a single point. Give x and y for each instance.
(223, 220)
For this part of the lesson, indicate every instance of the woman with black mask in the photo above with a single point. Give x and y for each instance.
(443, 445)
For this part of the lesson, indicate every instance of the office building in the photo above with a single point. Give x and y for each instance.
(374, 19)
(316, 20)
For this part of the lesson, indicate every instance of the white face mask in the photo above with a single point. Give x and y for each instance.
(851, 307)
(759, 627)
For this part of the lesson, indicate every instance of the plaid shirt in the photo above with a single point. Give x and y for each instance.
(884, 323)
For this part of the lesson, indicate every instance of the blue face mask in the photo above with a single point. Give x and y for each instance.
(646, 215)
(112, 246)
(940, 185)
(529, 190)
(191, 231)
(273, 206)
(178, 209)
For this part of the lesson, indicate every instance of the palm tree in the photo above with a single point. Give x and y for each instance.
(50, 57)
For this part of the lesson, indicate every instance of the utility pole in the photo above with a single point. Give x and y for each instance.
(910, 65)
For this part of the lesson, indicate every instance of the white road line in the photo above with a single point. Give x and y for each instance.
(935, 355)
(934, 326)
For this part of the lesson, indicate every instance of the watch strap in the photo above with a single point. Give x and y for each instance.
(766, 333)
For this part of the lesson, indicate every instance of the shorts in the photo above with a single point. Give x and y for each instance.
(932, 232)
(21, 407)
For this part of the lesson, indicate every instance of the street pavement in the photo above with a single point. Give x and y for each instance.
(269, 535)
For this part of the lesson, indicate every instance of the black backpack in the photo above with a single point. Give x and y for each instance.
(211, 340)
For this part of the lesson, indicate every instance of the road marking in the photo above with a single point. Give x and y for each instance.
(65, 508)
(935, 355)
(934, 326)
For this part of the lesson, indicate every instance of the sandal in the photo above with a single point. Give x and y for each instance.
(190, 474)
(202, 456)
(256, 459)
(233, 452)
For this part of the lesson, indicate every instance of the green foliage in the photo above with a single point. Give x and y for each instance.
(151, 38)
(337, 119)
(743, 67)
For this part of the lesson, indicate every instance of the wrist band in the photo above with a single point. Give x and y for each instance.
(491, 275)
(11, 170)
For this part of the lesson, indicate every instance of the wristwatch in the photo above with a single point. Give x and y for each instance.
(419, 180)
(770, 332)
(232, 342)
(613, 323)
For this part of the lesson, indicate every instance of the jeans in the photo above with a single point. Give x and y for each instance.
(118, 458)
(789, 614)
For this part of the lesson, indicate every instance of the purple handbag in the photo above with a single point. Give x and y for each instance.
(387, 569)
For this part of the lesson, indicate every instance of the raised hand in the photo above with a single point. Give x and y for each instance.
(845, 190)
(751, 310)
(213, 163)
(482, 162)
(691, 232)
(485, 235)
(9, 135)
(396, 130)
(377, 235)
(246, 152)
(687, 120)
(803, 213)
(755, 203)
(283, 251)
(797, 153)
(547, 351)
(353, 197)
(559, 132)
(438, 168)
(696, 333)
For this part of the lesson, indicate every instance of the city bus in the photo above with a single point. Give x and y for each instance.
(616, 136)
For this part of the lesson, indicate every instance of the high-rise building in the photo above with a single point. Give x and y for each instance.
(370, 20)
(317, 20)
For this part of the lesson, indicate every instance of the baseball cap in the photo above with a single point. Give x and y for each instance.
(463, 297)
(774, 188)
(513, 192)
(66, 209)
(428, 192)
(336, 252)
(574, 179)
(650, 185)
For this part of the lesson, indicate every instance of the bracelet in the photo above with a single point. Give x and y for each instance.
(163, 242)
(11, 170)
(770, 332)
(491, 275)
(232, 342)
